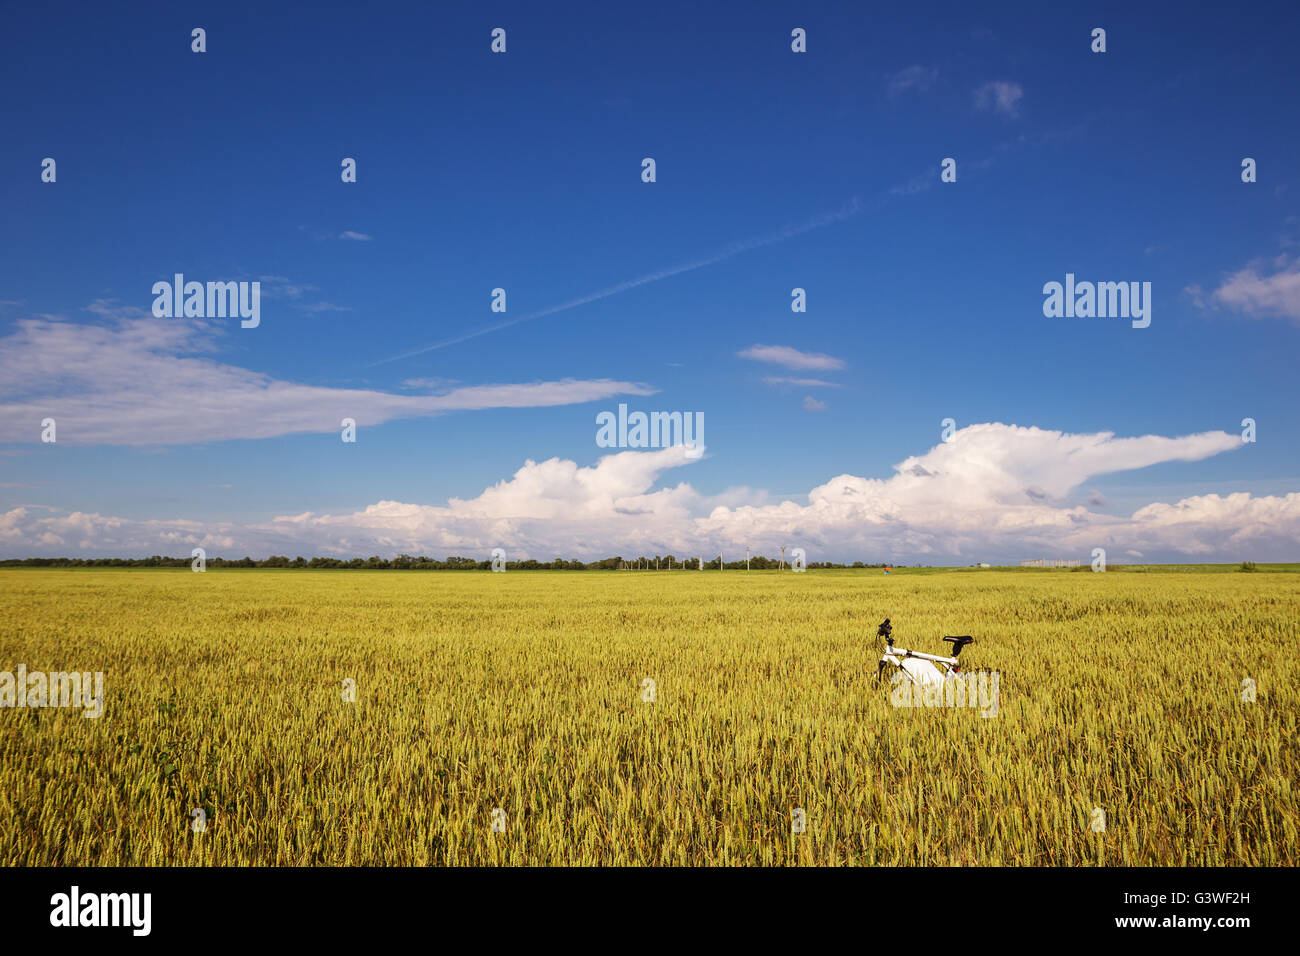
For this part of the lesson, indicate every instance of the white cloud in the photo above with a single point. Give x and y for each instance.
(427, 384)
(147, 381)
(800, 382)
(811, 404)
(791, 358)
(1000, 96)
(358, 236)
(1260, 289)
(996, 492)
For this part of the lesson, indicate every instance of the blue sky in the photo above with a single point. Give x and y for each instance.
(522, 170)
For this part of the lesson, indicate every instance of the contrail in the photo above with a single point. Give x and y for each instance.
(847, 211)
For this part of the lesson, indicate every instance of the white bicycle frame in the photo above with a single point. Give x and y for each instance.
(920, 668)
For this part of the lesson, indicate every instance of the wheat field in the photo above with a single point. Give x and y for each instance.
(519, 700)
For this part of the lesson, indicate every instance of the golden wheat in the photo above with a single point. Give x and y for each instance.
(524, 691)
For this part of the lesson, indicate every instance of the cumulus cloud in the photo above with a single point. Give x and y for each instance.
(791, 358)
(1000, 97)
(147, 381)
(995, 492)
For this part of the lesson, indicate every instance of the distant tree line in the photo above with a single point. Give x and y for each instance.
(405, 562)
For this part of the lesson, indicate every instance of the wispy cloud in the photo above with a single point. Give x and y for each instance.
(427, 384)
(324, 307)
(811, 404)
(1262, 289)
(282, 287)
(916, 77)
(847, 211)
(791, 358)
(850, 209)
(1000, 96)
(799, 382)
(347, 234)
(147, 381)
